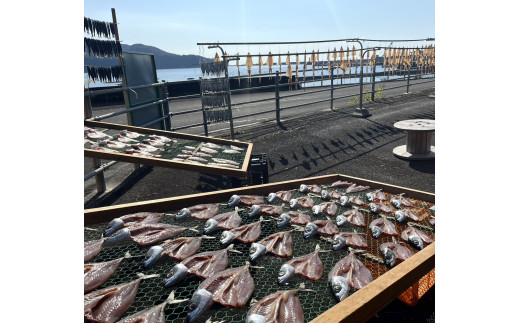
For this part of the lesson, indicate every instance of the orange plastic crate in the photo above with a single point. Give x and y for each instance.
(412, 295)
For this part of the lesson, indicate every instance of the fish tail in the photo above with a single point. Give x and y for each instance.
(128, 255)
(143, 276)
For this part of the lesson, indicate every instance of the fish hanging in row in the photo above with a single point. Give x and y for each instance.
(212, 85)
(270, 63)
(213, 68)
(217, 115)
(102, 48)
(249, 64)
(99, 28)
(313, 62)
(215, 100)
(105, 74)
(288, 72)
(297, 64)
(304, 64)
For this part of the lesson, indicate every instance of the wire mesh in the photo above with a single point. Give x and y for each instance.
(151, 291)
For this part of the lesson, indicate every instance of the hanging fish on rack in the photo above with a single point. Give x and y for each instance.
(288, 71)
(354, 59)
(270, 63)
(349, 63)
(260, 63)
(304, 65)
(335, 57)
(313, 63)
(249, 64)
(341, 63)
(297, 64)
(328, 63)
(238, 70)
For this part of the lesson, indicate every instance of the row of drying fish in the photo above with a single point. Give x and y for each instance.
(213, 68)
(203, 154)
(151, 145)
(99, 28)
(102, 48)
(127, 140)
(346, 274)
(106, 74)
(216, 100)
(214, 85)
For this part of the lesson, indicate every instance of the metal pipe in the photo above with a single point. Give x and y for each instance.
(277, 96)
(113, 114)
(204, 119)
(99, 170)
(107, 91)
(332, 88)
(153, 121)
(318, 41)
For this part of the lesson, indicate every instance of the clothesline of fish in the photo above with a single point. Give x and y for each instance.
(105, 74)
(102, 48)
(342, 59)
(99, 28)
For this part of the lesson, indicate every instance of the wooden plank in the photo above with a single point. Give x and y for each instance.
(104, 214)
(159, 162)
(394, 189)
(365, 303)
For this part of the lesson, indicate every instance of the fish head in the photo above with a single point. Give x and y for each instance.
(325, 194)
(178, 273)
(210, 226)
(152, 255)
(399, 216)
(340, 220)
(373, 207)
(227, 237)
(255, 318)
(283, 220)
(113, 226)
(339, 286)
(396, 202)
(199, 303)
(388, 257)
(182, 214)
(256, 251)
(338, 242)
(316, 209)
(344, 201)
(415, 241)
(376, 231)
(310, 230)
(233, 201)
(253, 211)
(271, 197)
(286, 272)
(119, 235)
(371, 197)
(293, 203)
(304, 188)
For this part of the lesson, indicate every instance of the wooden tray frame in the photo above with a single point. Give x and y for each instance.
(207, 169)
(358, 307)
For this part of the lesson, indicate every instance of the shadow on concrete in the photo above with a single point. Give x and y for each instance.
(425, 166)
(105, 199)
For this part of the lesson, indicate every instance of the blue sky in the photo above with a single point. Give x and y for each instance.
(177, 26)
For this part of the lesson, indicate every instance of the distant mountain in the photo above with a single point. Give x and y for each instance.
(162, 59)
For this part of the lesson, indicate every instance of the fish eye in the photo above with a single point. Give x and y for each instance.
(281, 273)
(308, 229)
(207, 225)
(252, 250)
(336, 288)
(192, 306)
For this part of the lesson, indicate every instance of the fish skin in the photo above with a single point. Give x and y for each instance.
(251, 200)
(355, 200)
(154, 314)
(308, 266)
(298, 217)
(232, 287)
(181, 248)
(326, 227)
(285, 196)
(92, 248)
(282, 306)
(356, 188)
(227, 221)
(385, 225)
(96, 274)
(204, 211)
(351, 268)
(208, 150)
(329, 208)
(206, 264)
(355, 217)
(247, 233)
(341, 184)
(401, 252)
(150, 233)
(279, 244)
(305, 201)
(110, 303)
(414, 231)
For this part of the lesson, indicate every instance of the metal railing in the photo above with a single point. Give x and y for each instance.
(323, 84)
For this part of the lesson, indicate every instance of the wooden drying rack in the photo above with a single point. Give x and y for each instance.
(201, 168)
(358, 307)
